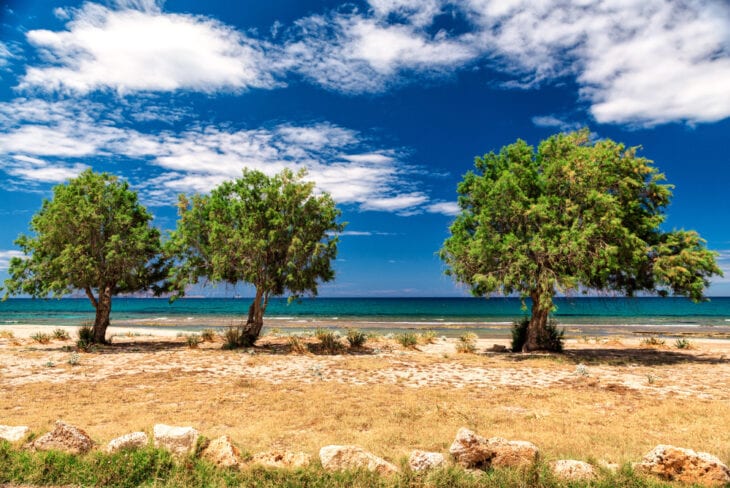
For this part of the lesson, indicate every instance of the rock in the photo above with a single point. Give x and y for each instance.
(512, 454)
(283, 459)
(337, 458)
(13, 433)
(474, 451)
(178, 440)
(222, 452)
(64, 437)
(572, 470)
(499, 348)
(424, 461)
(685, 465)
(135, 440)
(469, 449)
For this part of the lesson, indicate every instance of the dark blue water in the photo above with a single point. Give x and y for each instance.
(220, 311)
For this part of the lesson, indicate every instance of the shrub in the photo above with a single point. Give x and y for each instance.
(330, 341)
(408, 340)
(428, 337)
(7, 334)
(86, 333)
(297, 346)
(208, 335)
(682, 344)
(652, 341)
(193, 341)
(467, 343)
(61, 335)
(73, 360)
(550, 340)
(41, 338)
(356, 337)
(235, 337)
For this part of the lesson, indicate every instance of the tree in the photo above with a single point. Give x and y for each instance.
(93, 235)
(573, 215)
(271, 232)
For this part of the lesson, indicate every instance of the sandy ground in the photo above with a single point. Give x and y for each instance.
(624, 363)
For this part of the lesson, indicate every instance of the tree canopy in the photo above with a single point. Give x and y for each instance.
(273, 233)
(573, 215)
(93, 235)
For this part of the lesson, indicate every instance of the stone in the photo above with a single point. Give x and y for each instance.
(424, 461)
(14, 433)
(338, 458)
(469, 449)
(685, 465)
(178, 440)
(64, 437)
(222, 452)
(572, 470)
(512, 454)
(134, 440)
(499, 348)
(282, 459)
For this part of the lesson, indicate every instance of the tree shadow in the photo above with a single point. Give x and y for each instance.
(625, 357)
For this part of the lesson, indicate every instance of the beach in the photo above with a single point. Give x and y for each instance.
(608, 398)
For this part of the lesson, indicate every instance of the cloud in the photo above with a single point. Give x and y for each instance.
(723, 261)
(139, 48)
(5, 54)
(445, 208)
(6, 256)
(50, 141)
(551, 121)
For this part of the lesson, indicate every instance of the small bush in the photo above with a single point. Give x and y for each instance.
(409, 340)
(330, 341)
(356, 337)
(652, 341)
(193, 341)
(73, 360)
(467, 343)
(85, 333)
(7, 334)
(428, 337)
(297, 346)
(682, 344)
(208, 335)
(236, 336)
(551, 339)
(41, 338)
(61, 335)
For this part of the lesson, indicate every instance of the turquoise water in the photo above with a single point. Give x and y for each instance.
(191, 313)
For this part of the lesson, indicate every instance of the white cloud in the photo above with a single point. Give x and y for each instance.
(355, 233)
(551, 121)
(40, 171)
(5, 54)
(6, 256)
(445, 208)
(142, 49)
(400, 203)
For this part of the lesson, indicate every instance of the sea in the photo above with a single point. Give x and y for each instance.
(446, 316)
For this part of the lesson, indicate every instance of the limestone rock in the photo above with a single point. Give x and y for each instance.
(685, 465)
(336, 458)
(512, 454)
(178, 440)
(499, 348)
(283, 459)
(222, 452)
(474, 451)
(64, 437)
(134, 440)
(572, 470)
(424, 461)
(469, 449)
(13, 433)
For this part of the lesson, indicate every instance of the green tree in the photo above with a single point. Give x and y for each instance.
(271, 232)
(575, 215)
(93, 235)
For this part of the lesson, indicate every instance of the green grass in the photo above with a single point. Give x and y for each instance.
(157, 468)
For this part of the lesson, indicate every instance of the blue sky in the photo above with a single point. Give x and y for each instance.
(386, 102)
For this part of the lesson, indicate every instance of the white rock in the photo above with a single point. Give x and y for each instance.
(339, 458)
(685, 465)
(134, 440)
(572, 470)
(64, 437)
(178, 440)
(424, 461)
(14, 433)
(222, 452)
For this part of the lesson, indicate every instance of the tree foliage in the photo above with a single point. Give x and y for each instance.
(93, 235)
(271, 232)
(572, 215)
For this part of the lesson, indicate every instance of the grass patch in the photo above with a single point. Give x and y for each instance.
(60, 335)
(155, 467)
(467, 343)
(329, 340)
(356, 338)
(409, 340)
(41, 337)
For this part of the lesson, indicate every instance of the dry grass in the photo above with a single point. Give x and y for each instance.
(276, 400)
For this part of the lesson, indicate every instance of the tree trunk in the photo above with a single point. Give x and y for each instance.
(536, 329)
(255, 321)
(103, 310)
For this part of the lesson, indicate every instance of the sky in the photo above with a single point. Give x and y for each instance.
(385, 102)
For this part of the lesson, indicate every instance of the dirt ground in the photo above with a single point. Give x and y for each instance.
(609, 399)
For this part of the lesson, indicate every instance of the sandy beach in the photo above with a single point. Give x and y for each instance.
(611, 398)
